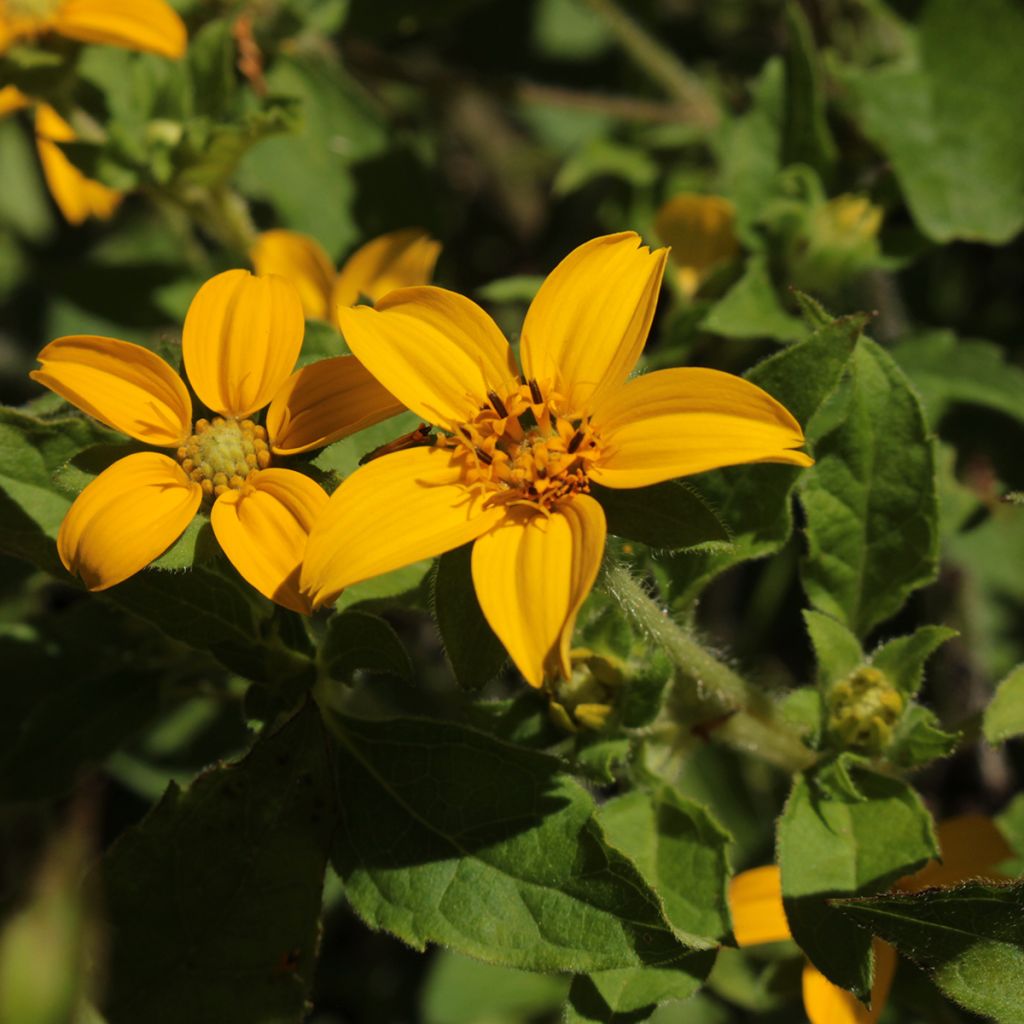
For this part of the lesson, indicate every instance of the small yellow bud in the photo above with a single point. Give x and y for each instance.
(863, 710)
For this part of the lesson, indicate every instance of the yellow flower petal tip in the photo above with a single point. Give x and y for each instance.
(516, 453)
(755, 903)
(701, 229)
(399, 259)
(303, 261)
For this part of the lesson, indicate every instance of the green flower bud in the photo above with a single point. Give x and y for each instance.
(863, 709)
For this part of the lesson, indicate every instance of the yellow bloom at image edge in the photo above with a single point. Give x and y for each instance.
(518, 452)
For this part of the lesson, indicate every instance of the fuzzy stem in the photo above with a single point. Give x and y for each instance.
(752, 724)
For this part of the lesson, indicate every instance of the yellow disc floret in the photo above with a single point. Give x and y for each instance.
(524, 450)
(223, 452)
(863, 709)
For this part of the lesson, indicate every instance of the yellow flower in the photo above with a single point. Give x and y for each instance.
(152, 26)
(395, 260)
(971, 847)
(149, 25)
(513, 465)
(241, 338)
(701, 231)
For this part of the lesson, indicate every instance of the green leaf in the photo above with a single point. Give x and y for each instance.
(1004, 717)
(870, 501)
(668, 516)
(970, 940)
(360, 641)
(946, 370)
(213, 901)
(833, 842)
(949, 121)
(837, 650)
(475, 654)
(451, 836)
(751, 308)
(632, 994)
(23, 204)
(459, 990)
(806, 138)
(754, 501)
(919, 739)
(902, 659)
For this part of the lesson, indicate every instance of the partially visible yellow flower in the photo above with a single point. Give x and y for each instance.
(152, 26)
(971, 847)
(395, 260)
(702, 233)
(517, 454)
(241, 338)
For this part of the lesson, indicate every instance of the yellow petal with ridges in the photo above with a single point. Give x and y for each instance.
(77, 196)
(241, 338)
(125, 386)
(391, 512)
(532, 574)
(755, 903)
(325, 401)
(129, 515)
(826, 1003)
(672, 423)
(587, 326)
(971, 846)
(398, 259)
(702, 233)
(436, 351)
(152, 26)
(11, 97)
(263, 529)
(302, 261)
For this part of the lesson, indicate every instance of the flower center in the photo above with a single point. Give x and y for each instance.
(223, 452)
(524, 451)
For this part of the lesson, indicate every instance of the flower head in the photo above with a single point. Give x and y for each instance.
(702, 233)
(971, 847)
(241, 339)
(395, 260)
(517, 453)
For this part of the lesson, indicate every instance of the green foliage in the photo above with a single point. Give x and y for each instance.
(356, 640)
(1004, 717)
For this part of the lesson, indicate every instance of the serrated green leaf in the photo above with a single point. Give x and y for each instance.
(875, 468)
(833, 844)
(949, 120)
(668, 516)
(903, 658)
(754, 501)
(1004, 717)
(751, 308)
(837, 650)
(919, 739)
(970, 940)
(451, 836)
(213, 900)
(806, 138)
(357, 641)
(475, 654)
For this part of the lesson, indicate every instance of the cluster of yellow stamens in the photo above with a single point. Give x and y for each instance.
(223, 452)
(524, 450)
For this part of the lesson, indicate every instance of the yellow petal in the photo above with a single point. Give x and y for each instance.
(77, 196)
(755, 903)
(972, 847)
(324, 401)
(241, 338)
(532, 574)
(391, 512)
(436, 351)
(125, 386)
(129, 515)
(826, 1003)
(702, 233)
(302, 261)
(587, 325)
(672, 423)
(152, 26)
(11, 97)
(264, 527)
(398, 259)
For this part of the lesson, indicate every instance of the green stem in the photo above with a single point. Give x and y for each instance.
(658, 62)
(752, 725)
